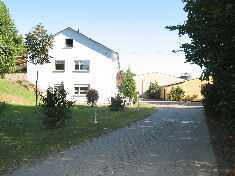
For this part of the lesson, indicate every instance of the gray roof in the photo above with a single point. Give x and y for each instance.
(162, 79)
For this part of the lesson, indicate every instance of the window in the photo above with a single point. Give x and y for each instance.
(81, 89)
(59, 65)
(68, 43)
(82, 65)
(56, 86)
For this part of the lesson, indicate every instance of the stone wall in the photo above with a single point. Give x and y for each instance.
(16, 76)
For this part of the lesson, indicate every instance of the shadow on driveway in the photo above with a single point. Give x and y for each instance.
(172, 104)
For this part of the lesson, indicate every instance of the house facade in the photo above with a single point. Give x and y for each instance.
(80, 63)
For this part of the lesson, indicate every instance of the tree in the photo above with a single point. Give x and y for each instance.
(128, 86)
(154, 90)
(11, 44)
(38, 43)
(211, 28)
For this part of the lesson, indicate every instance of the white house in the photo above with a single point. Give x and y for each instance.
(81, 63)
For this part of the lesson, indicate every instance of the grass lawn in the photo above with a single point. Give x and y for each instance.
(24, 139)
(14, 93)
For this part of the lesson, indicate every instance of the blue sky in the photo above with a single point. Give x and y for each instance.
(133, 28)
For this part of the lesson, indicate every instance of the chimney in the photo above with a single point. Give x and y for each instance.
(186, 77)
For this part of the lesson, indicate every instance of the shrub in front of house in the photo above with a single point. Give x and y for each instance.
(194, 97)
(116, 103)
(176, 94)
(55, 108)
(92, 95)
(154, 90)
(190, 98)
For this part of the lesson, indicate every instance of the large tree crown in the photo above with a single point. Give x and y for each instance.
(11, 44)
(38, 43)
(211, 27)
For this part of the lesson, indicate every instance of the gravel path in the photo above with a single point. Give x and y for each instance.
(173, 141)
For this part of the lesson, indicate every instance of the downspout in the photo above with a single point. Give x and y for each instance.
(118, 70)
(143, 86)
(118, 61)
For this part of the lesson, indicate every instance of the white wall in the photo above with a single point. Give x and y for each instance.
(103, 67)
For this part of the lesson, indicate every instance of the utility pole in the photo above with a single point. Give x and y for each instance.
(37, 92)
(95, 111)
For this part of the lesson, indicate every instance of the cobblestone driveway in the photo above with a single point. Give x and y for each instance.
(173, 141)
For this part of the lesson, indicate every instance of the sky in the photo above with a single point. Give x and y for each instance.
(133, 28)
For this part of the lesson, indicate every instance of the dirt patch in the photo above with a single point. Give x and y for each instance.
(223, 144)
(13, 99)
(13, 83)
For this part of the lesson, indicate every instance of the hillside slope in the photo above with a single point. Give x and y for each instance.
(13, 92)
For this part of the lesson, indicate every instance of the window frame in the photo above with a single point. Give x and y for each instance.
(79, 91)
(80, 66)
(55, 70)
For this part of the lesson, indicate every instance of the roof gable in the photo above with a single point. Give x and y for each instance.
(113, 53)
(82, 35)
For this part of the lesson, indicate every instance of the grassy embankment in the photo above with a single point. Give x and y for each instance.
(24, 139)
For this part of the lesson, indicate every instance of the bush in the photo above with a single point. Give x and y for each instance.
(190, 98)
(217, 103)
(92, 96)
(187, 98)
(55, 107)
(154, 90)
(116, 103)
(211, 100)
(194, 97)
(176, 94)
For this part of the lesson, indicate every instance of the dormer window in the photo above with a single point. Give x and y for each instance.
(68, 43)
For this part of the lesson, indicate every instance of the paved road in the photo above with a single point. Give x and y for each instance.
(173, 141)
